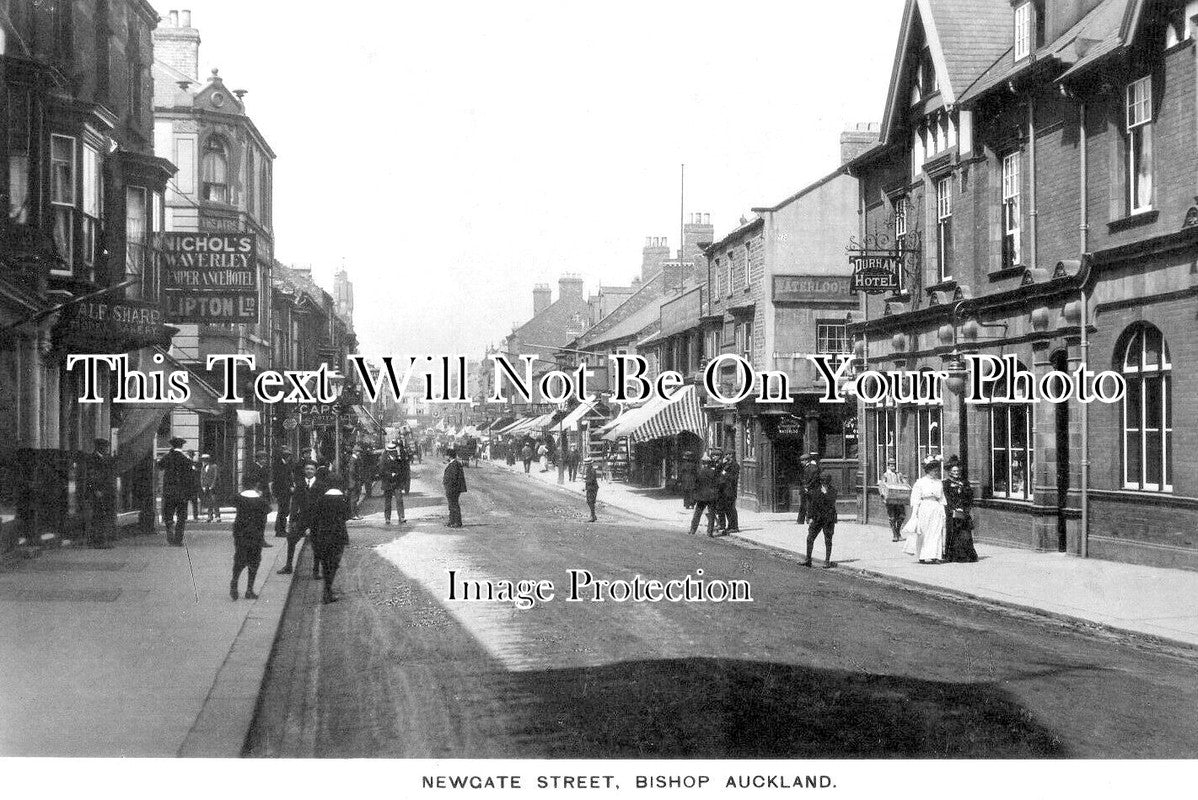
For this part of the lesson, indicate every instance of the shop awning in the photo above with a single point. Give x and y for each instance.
(578, 414)
(631, 419)
(661, 418)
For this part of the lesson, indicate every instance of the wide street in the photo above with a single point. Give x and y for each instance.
(823, 662)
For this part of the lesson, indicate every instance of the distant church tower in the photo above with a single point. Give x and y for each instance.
(343, 294)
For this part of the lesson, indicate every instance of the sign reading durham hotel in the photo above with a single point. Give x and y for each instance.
(209, 277)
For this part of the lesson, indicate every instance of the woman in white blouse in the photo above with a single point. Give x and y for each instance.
(927, 505)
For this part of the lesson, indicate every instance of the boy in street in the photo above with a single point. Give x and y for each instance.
(591, 482)
(896, 510)
(821, 507)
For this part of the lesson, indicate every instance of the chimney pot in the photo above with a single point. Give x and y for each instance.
(174, 17)
(186, 18)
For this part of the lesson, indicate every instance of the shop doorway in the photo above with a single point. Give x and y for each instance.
(787, 469)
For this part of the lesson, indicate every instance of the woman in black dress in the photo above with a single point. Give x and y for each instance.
(958, 496)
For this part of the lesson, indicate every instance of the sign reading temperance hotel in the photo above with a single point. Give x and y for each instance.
(209, 277)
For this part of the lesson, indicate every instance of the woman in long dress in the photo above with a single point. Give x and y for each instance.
(927, 504)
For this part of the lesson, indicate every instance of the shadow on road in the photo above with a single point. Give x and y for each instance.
(721, 708)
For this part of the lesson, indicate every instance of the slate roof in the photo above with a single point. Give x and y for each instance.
(643, 296)
(972, 34)
(554, 327)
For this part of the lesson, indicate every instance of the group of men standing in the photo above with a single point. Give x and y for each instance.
(711, 486)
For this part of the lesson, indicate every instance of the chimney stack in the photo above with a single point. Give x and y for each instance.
(696, 234)
(569, 286)
(178, 45)
(542, 297)
(657, 250)
(856, 141)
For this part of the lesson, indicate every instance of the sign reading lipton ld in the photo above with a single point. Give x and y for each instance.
(209, 277)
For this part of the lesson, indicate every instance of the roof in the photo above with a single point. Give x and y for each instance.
(965, 39)
(644, 317)
(601, 331)
(556, 326)
(838, 172)
(741, 230)
(1097, 33)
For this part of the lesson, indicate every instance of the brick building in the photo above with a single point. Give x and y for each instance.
(1037, 174)
(82, 194)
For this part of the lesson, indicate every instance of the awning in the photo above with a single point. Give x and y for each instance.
(661, 418)
(578, 414)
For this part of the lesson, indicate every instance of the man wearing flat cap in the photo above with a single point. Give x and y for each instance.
(178, 481)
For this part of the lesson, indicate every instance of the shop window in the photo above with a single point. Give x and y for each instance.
(1138, 144)
(62, 200)
(214, 171)
(92, 207)
(838, 434)
(944, 226)
(1011, 452)
(1010, 210)
(886, 432)
(1147, 411)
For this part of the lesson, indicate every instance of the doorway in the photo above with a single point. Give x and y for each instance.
(1060, 362)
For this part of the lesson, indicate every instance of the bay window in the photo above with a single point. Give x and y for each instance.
(92, 207)
(62, 201)
(19, 139)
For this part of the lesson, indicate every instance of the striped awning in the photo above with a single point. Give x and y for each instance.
(630, 420)
(680, 413)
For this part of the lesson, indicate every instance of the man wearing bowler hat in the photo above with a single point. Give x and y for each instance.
(454, 481)
(178, 480)
(100, 491)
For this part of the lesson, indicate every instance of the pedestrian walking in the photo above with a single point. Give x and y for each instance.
(178, 478)
(329, 536)
(718, 505)
(249, 528)
(390, 471)
(303, 496)
(729, 491)
(195, 483)
(282, 481)
(454, 481)
(543, 454)
(100, 491)
(895, 493)
(926, 527)
(210, 486)
(357, 477)
(590, 482)
(706, 494)
(958, 499)
(686, 478)
(257, 476)
(526, 455)
(405, 470)
(821, 505)
(573, 457)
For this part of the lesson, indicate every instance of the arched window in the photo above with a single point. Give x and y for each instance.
(1147, 410)
(214, 171)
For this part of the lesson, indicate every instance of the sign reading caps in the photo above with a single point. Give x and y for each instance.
(209, 277)
(811, 288)
(875, 273)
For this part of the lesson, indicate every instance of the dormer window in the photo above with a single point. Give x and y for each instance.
(1029, 29)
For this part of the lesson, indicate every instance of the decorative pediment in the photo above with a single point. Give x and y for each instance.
(215, 97)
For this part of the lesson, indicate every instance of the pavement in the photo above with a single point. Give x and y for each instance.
(136, 650)
(1149, 602)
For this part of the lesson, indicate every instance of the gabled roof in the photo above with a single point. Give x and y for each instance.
(965, 38)
(644, 295)
(554, 327)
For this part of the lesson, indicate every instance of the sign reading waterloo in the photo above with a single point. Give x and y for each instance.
(209, 277)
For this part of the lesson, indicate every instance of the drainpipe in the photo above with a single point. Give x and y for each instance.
(1031, 167)
(1084, 243)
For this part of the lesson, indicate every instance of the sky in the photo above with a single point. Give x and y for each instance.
(452, 155)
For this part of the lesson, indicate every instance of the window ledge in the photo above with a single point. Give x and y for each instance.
(1007, 272)
(943, 286)
(1133, 220)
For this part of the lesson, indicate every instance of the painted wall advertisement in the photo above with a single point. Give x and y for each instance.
(209, 277)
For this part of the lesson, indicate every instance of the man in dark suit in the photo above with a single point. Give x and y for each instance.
(328, 512)
(100, 492)
(391, 481)
(809, 473)
(591, 482)
(729, 488)
(178, 478)
(257, 477)
(454, 481)
(282, 480)
(821, 507)
(303, 495)
(706, 494)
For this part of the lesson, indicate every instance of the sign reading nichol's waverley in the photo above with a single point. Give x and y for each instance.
(209, 277)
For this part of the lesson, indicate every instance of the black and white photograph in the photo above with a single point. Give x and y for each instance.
(672, 398)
